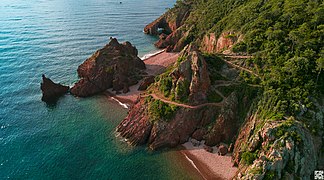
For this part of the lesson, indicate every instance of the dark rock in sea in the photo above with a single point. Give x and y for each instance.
(146, 83)
(222, 150)
(115, 66)
(52, 91)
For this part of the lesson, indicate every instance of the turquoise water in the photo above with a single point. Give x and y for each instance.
(74, 139)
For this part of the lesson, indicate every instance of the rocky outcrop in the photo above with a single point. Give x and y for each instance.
(221, 44)
(280, 150)
(189, 83)
(139, 128)
(146, 82)
(52, 91)
(226, 125)
(114, 66)
(190, 79)
(169, 28)
(168, 22)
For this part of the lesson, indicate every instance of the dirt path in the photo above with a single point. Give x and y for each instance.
(155, 96)
(242, 68)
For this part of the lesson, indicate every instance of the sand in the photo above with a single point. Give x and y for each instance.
(155, 65)
(209, 165)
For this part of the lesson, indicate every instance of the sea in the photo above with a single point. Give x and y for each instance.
(74, 138)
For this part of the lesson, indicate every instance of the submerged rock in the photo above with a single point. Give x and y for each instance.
(52, 91)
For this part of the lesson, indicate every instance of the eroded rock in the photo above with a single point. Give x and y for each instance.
(52, 91)
(114, 66)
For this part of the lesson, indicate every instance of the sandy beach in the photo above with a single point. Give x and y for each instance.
(155, 64)
(209, 165)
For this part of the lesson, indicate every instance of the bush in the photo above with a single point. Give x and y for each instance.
(165, 85)
(239, 47)
(160, 110)
(182, 91)
(248, 157)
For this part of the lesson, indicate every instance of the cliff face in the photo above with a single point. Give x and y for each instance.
(169, 28)
(178, 106)
(114, 66)
(222, 44)
(278, 149)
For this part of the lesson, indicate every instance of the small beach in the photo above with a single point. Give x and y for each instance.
(155, 65)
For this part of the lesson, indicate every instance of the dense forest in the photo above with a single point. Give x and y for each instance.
(284, 40)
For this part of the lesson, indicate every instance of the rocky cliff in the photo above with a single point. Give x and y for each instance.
(114, 66)
(180, 105)
(169, 28)
(281, 124)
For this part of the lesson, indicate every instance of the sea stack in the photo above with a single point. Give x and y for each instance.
(52, 91)
(114, 66)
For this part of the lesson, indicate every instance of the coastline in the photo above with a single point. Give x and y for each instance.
(195, 159)
(209, 165)
(156, 64)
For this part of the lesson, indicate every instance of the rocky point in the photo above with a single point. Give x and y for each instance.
(114, 66)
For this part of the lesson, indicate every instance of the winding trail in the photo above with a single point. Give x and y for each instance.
(237, 66)
(155, 96)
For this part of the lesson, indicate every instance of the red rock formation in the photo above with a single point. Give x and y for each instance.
(52, 91)
(114, 66)
(203, 123)
(224, 42)
(169, 25)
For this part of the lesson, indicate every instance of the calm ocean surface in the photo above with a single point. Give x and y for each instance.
(74, 139)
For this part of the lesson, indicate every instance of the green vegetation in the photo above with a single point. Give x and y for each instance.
(214, 97)
(270, 175)
(239, 47)
(158, 110)
(180, 59)
(165, 85)
(286, 38)
(248, 157)
(182, 91)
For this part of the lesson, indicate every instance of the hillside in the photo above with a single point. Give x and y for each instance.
(252, 75)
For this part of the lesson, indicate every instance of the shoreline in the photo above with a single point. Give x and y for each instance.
(207, 165)
(155, 65)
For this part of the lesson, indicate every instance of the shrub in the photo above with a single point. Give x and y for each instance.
(160, 110)
(248, 157)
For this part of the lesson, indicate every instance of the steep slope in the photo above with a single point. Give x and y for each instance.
(183, 103)
(278, 46)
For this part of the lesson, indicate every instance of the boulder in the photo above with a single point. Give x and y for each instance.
(147, 81)
(52, 91)
(222, 150)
